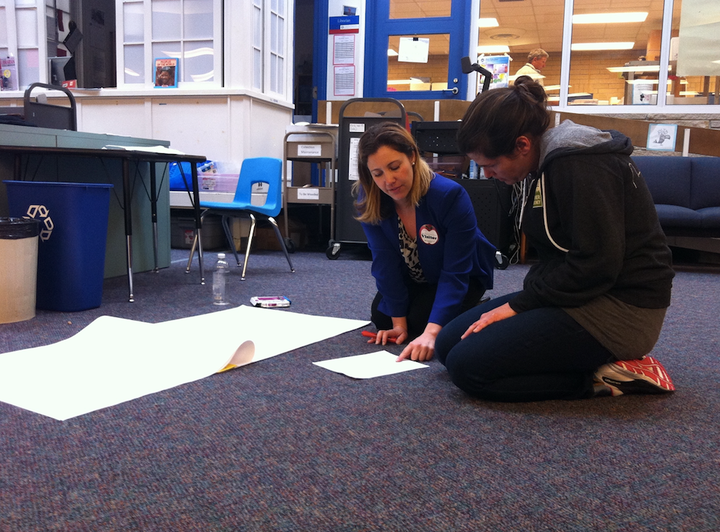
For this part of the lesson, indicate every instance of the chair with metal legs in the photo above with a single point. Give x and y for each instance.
(258, 176)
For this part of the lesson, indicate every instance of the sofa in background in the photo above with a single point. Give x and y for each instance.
(686, 192)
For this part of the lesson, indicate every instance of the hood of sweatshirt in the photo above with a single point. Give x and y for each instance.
(571, 138)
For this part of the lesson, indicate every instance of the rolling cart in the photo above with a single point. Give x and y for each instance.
(315, 144)
(352, 125)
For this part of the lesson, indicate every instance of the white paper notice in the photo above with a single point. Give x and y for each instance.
(309, 150)
(413, 50)
(344, 80)
(308, 193)
(353, 164)
(343, 49)
(369, 366)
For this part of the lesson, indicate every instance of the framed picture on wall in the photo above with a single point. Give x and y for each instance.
(661, 137)
(166, 72)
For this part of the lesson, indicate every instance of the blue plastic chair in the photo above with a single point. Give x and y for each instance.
(267, 173)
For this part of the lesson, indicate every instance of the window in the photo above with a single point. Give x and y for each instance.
(20, 38)
(419, 48)
(614, 53)
(400, 9)
(510, 31)
(188, 31)
(430, 74)
(694, 53)
(269, 46)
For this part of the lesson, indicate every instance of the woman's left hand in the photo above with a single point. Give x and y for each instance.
(497, 314)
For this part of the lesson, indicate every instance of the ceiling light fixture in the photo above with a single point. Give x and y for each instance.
(593, 46)
(493, 49)
(638, 68)
(504, 37)
(488, 22)
(609, 18)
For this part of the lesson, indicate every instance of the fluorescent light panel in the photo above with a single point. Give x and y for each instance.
(609, 18)
(649, 68)
(590, 46)
(493, 49)
(488, 22)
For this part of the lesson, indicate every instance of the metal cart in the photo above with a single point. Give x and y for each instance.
(351, 128)
(315, 144)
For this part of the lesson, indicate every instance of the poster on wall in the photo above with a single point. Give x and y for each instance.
(343, 49)
(499, 65)
(661, 137)
(644, 94)
(166, 72)
(344, 80)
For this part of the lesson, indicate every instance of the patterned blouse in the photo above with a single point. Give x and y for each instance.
(409, 250)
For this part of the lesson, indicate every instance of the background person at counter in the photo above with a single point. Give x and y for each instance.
(537, 59)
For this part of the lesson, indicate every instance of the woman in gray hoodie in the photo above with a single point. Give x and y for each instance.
(592, 308)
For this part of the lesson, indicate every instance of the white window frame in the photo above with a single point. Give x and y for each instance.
(662, 107)
(273, 44)
(149, 59)
(11, 31)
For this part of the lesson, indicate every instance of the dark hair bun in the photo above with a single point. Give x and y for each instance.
(529, 87)
(521, 80)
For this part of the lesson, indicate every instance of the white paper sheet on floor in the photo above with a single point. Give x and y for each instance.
(114, 360)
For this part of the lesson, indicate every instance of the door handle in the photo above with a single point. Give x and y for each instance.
(454, 90)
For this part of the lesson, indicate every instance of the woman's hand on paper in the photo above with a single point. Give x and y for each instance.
(422, 348)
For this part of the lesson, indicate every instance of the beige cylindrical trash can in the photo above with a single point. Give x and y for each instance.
(18, 268)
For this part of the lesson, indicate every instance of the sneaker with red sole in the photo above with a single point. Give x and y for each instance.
(645, 375)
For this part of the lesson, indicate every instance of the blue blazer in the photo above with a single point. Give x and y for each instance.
(451, 249)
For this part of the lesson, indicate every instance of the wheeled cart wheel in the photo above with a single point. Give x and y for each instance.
(333, 250)
(501, 261)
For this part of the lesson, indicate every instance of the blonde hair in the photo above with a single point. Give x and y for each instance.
(372, 204)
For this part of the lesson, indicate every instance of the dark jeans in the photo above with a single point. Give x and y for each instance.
(422, 297)
(536, 355)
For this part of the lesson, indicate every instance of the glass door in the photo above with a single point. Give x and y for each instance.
(414, 49)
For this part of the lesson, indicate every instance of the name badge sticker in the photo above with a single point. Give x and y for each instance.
(429, 235)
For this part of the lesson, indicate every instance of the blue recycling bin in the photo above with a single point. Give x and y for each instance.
(73, 237)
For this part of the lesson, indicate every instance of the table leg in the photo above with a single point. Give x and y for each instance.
(127, 200)
(198, 220)
(153, 207)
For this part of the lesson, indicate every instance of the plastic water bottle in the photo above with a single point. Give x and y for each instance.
(221, 270)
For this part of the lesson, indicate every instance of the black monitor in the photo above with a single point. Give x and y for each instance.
(61, 69)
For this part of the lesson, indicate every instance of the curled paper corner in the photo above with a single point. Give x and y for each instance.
(243, 355)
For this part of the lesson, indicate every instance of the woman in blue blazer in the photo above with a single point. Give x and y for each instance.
(430, 260)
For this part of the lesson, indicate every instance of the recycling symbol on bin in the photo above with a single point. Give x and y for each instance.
(42, 213)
